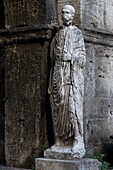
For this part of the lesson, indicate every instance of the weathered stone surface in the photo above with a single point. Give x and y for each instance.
(93, 13)
(26, 106)
(63, 153)
(2, 110)
(66, 87)
(27, 34)
(78, 164)
(26, 79)
(108, 14)
(97, 14)
(26, 12)
(98, 96)
(11, 168)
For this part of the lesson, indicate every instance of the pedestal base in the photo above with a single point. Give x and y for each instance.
(77, 164)
(65, 152)
(60, 154)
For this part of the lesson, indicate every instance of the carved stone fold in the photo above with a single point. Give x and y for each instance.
(66, 87)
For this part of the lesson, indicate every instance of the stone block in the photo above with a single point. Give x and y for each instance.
(97, 14)
(77, 164)
(25, 108)
(109, 15)
(26, 13)
(98, 131)
(93, 13)
(90, 71)
(97, 108)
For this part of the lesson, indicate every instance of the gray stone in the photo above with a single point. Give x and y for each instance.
(11, 168)
(61, 153)
(92, 13)
(76, 164)
(98, 107)
(66, 87)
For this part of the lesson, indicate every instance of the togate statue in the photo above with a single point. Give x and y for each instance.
(66, 88)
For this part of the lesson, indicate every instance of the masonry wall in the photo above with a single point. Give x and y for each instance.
(2, 110)
(25, 108)
(98, 107)
(25, 38)
(2, 90)
(98, 101)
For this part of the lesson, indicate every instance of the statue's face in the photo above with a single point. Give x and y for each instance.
(66, 16)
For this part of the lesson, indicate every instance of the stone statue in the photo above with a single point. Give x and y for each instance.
(66, 87)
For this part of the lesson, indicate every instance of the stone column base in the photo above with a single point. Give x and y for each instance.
(76, 164)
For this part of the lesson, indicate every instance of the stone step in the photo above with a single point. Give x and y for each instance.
(77, 164)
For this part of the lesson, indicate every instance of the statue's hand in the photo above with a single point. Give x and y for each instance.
(66, 56)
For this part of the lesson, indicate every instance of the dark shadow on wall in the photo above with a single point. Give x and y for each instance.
(2, 109)
(108, 151)
(2, 90)
(2, 20)
(50, 127)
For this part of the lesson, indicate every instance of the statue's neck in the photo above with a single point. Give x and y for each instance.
(67, 24)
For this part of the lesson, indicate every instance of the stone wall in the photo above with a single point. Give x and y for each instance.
(24, 69)
(25, 107)
(24, 13)
(97, 14)
(98, 91)
(2, 95)
(98, 106)
(2, 102)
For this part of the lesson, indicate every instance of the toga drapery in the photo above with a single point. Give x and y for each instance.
(67, 82)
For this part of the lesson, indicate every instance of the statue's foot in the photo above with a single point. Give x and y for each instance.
(54, 147)
(78, 149)
(58, 144)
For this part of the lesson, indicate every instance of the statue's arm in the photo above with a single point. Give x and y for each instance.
(79, 55)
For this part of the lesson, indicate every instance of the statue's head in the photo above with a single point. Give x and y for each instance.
(68, 13)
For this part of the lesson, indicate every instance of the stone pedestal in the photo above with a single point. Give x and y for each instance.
(76, 164)
(63, 153)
